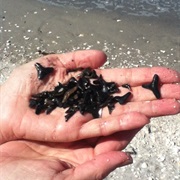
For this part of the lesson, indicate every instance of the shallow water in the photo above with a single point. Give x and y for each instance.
(140, 8)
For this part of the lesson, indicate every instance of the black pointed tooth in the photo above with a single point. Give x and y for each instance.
(155, 89)
(153, 86)
(43, 71)
(59, 87)
(122, 99)
(69, 115)
(39, 109)
(50, 109)
(32, 103)
(126, 86)
(111, 107)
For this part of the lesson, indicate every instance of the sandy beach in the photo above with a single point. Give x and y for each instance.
(128, 39)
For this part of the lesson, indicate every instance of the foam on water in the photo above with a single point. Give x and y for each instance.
(138, 8)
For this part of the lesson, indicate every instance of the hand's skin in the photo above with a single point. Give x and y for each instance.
(80, 160)
(91, 158)
(18, 121)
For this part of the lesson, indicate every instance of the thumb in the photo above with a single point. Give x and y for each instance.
(99, 167)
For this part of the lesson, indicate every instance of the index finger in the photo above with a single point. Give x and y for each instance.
(75, 59)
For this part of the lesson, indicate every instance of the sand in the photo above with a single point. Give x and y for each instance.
(27, 26)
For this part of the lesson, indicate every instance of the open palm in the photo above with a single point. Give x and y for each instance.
(18, 121)
(81, 160)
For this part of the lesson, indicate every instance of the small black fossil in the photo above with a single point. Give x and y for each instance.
(87, 94)
(89, 73)
(43, 71)
(153, 86)
(44, 53)
(126, 86)
(122, 99)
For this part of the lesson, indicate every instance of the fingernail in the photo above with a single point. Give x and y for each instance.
(129, 159)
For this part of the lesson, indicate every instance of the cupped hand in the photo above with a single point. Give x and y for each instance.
(18, 121)
(84, 159)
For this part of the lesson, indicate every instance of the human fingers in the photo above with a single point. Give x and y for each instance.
(78, 127)
(153, 108)
(75, 59)
(24, 78)
(167, 91)
(139, 76)
(112, 124)
(99, 167)
(81, 58)
(115, 142)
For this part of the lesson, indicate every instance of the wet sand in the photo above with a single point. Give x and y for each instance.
(129, 41)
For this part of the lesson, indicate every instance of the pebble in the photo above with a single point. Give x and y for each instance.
(163, 51)
(81, 35)
(128, 52)
(26, 38)
(161, 158)
(144, 165)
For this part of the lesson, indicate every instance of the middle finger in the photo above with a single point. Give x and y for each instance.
(153, 108)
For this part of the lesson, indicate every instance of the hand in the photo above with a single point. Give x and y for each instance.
(18, 121)
(80, 160)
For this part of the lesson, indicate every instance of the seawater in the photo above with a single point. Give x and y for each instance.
(131, 7)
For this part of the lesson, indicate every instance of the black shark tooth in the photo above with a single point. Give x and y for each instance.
(126, 86)
(43, 71)
(87, 94)
(153, 86)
